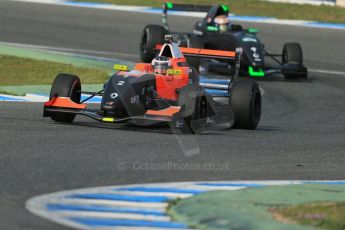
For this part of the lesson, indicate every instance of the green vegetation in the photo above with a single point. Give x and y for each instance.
(256, 8)
(324, 215)
(271, 207)
(25, 71)
(10, 93)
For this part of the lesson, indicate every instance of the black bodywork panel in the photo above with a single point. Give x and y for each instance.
(253, 53)
(129, 95)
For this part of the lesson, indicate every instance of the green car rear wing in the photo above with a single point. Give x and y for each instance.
(168, 6)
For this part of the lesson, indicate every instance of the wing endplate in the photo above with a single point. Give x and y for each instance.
(168, 112)
(63, 102)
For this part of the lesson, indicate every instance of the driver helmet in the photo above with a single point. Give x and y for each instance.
(223, 22)
(161, 64)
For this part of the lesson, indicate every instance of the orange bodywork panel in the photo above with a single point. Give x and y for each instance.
(145, 67)
(64, 102)
(168, 112)
(220, 53)
(209, 52)
(167, 85)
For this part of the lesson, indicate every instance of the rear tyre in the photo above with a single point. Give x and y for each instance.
(152, 35)
(245, 101)
(65, 85)
(292, 53)
(194, 42)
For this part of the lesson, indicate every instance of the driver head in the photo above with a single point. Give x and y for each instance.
(161, 64)
(222, 21)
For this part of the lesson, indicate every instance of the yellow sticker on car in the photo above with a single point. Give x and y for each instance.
(174, 72)
(120, 67)
(108, 119)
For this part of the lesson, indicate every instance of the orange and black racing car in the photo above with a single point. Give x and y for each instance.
(165, 91)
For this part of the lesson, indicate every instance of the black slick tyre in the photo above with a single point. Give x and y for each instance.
(65, 85)
(152, 35)
(245, 101)
(293, 54)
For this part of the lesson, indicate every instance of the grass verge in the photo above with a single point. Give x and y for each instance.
(25, 71)
(256, 8)
(252, 208)
(10, 93)
(324, 215)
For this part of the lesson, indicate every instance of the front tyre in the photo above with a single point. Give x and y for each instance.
(292, 53)
(245, 101)
(293, 56)
(152, 35)
(65, 85)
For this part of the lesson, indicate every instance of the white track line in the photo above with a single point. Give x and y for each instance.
(112, 215)
(116, 203)
(166, 194)
(36, 98)
(327, 72)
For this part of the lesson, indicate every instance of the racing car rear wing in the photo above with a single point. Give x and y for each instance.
(185, 7)
(207, 53)
(168, 6)
(233, 57)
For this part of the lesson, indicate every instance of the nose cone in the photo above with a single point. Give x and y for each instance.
(111, 99)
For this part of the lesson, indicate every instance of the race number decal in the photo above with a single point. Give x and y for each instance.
(120, 67)
(174, 72)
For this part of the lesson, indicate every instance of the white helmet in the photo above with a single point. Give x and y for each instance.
(161, 64)
(223, 22)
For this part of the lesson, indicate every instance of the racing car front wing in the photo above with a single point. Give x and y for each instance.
(176, 119)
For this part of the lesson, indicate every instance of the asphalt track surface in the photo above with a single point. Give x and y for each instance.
(301, 134)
